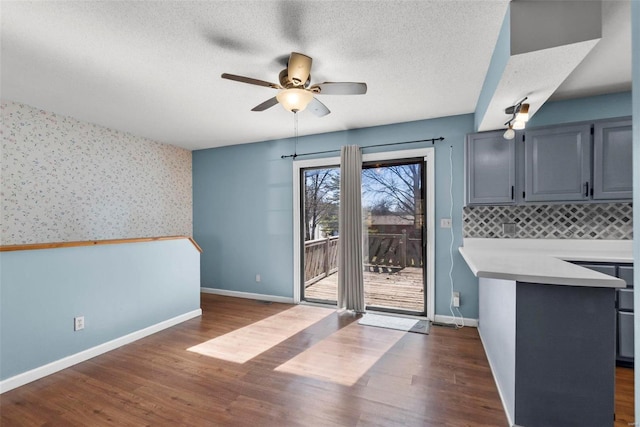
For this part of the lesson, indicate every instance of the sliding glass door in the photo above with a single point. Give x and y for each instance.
(393, 203)
(394, 232)
(393, 210)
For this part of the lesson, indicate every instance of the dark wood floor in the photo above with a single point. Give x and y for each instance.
(422, 380)
(624, 397)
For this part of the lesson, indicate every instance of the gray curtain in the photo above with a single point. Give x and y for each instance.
(350, 280)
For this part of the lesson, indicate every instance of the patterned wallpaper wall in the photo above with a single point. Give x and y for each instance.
(65, 180)
(611, 221)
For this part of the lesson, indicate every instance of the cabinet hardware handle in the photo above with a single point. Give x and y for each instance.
(512, 192)
(586, 189)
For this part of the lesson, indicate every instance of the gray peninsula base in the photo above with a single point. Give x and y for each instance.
(551, 350)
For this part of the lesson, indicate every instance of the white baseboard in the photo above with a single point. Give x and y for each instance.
(439, 318)
(58, 365)
(504, 405)
(248, 295)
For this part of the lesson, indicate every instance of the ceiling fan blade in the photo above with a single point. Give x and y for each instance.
(318, 108)
(249, 80)
(266, 104)
(299, 68)
(339, 88)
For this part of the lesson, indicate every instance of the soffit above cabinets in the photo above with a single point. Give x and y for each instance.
(556, 50)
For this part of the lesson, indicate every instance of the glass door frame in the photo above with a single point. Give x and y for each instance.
(428, 154)
(423, 190)
(302, 264)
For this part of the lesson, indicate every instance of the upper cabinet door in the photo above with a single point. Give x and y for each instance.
(490, 169)
(612, 160)
(558, 163)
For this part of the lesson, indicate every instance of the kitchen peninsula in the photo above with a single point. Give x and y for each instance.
(548, 326)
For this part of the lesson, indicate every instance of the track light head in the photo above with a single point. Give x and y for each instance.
(519, 116)
(522, 115)
(509, 133)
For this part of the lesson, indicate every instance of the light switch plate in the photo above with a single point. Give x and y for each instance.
(78, 323)
(445, 222)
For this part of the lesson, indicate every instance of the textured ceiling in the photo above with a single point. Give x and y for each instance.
(607, 68)
(153, 68)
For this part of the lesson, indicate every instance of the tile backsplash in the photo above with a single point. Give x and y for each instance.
(607, 221)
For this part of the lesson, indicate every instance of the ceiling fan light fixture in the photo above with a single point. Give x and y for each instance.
(295, 89)
(294, 99)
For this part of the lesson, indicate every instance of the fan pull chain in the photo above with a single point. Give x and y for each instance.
(295, 132)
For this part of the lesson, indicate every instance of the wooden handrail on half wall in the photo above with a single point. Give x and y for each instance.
(53, 245)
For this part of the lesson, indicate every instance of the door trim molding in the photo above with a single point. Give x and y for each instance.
(428, 154)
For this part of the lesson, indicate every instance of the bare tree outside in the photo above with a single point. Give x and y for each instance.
(393, 190)
(392, 204)
(321, 201)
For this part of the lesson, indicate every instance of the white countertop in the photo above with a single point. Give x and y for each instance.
(545, 260)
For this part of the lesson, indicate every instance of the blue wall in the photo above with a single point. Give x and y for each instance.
(119, 288)
(499, 61)
(575, 110)
(243, 213)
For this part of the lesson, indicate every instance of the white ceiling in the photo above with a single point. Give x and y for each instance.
(153, 68)
(607, 69)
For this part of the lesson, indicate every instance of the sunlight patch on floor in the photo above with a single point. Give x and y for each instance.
(248, 342)
(345, 355)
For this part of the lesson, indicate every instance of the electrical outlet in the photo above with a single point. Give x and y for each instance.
(258, 278)
(509, 229)
(78, 323)
(456, 299)
(445, 222)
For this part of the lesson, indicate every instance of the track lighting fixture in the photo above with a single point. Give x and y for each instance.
(519, 116)
(509, 133)
(518, 125)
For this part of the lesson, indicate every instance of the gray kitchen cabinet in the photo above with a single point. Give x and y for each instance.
(625, 296)
(490, 169)
(625, 299)
(612, 160)
(602, 268)
(625, 335)
(625, 272)
(585, 162)
(625, 323)
(558, 163)
(624, 309)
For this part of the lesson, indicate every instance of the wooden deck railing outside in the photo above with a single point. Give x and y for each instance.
(320, 259)
(394, 250)
(391, 250)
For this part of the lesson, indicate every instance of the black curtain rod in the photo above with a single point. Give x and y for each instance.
(431, 140)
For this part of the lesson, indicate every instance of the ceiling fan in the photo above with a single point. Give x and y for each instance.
(296, 92)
